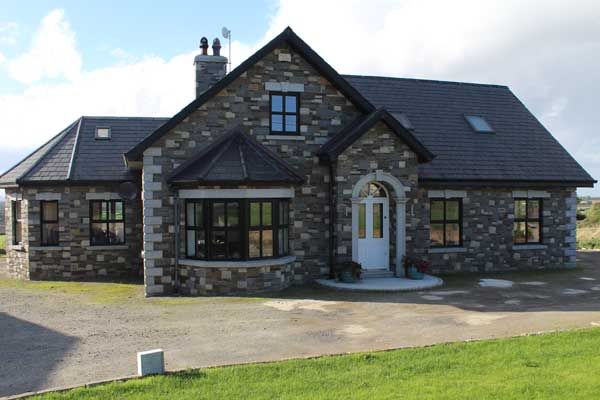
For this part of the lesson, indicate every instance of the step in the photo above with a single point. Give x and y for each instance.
(377, 273)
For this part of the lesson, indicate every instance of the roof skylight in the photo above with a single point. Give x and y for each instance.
(479, 124)
(102, 133)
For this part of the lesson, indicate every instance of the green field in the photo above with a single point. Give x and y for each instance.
(588, 230)
(551, 366)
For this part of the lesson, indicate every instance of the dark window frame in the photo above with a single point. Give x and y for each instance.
(44, 221)
(108, 221)
(284, 113)
(17, 222)
(244, 228)
(444, 221)
(527, 219)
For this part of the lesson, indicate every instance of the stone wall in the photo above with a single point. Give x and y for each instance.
(17, 259)
(74, 258)
(245, 104)
(243, 278)
(488, 216)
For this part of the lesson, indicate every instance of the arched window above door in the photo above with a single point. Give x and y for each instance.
(372, 189)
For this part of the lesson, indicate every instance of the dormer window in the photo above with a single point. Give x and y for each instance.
(284, 113)
(479, 124)
(102, 133)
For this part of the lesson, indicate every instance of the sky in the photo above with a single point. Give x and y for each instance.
(63, 59)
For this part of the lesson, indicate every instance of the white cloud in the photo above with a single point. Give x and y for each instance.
(52, 54)
(8, 33)
(548, 53)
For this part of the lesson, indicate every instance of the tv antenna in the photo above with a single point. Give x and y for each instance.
(227, 35)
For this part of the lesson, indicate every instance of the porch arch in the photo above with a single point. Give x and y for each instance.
(400, 199)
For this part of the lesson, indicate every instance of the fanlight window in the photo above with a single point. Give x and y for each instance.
(372, 189)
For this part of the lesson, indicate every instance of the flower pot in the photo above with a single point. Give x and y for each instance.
(413, 273)
(347, 277)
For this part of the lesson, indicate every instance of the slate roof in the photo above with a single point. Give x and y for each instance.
(75, 155)
(344, 138)
(235, 158)
(521, 149)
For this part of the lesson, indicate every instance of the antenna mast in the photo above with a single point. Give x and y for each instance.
(227, 35)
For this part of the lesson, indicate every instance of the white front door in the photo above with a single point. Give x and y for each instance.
(373, 233)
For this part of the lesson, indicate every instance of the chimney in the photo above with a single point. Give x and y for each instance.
(209, 69)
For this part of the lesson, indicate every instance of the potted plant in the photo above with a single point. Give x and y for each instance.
(349, 272)
(415, 268)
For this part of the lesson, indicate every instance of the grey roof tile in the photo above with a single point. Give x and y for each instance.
(520, 149)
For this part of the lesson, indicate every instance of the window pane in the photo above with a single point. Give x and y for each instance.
(520, 209)
(377, 220)
(218, 216)
(436, 234)
(191, 243)
(50, 234)
(286, 241)
(218, 244)
(452, 210)
(18, 233)
(533, 232)
(234, 244)
(98, 233)
(277, 103)
(116, 233)
(104, 210)
(280, 248)
(267, 214)
(290, 123)
(254, 244)
(201, 244)
(267, 243)
(437, 210)
(233, 210)
(452, 235)
(277, 122)
(284, 213)
(254, 214)
(533, 209)
(117, 213)
(290, 104)
(362, 221)
(50, 211)
(519, 232)
(189, 214)
(97, 210)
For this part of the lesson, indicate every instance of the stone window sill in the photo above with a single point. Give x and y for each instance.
(444, 250)
(529, 247)
(16, 247)
(286, 137)
(102, 248)
(268, 262)
(48, 248)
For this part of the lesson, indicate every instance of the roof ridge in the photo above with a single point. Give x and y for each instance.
(64, 134)
(459, 83)
(74, 150)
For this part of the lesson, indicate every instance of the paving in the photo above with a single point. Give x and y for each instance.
(49, 338)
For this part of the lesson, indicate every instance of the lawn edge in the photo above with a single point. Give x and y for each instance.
(127, 378)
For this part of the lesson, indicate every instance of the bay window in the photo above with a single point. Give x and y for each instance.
(236, 229)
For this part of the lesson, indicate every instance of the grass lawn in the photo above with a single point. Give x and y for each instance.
(551, 366)
(2, 245)
(588, 230)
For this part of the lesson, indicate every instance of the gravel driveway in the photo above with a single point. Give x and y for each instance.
(49, 338)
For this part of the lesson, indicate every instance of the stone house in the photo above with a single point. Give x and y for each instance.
(282, 169)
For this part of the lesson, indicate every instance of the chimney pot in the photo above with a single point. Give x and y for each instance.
(204, 46)
(216, 46)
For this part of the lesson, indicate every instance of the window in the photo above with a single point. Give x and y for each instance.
(236, 229)
(102, 133)
(17, 221)
(284, 113)
(445, 222)
(107, 222)
(49, 223)
(528, 221)
(479, 124)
